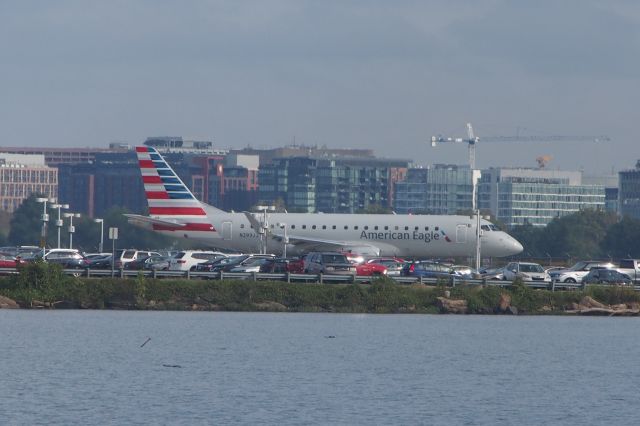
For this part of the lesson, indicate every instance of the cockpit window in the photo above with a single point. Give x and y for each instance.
(494, 228)
(485, 227)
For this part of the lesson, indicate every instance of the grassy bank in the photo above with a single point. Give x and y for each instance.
(44, 285)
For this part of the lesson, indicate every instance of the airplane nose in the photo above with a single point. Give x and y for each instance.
(515, 246)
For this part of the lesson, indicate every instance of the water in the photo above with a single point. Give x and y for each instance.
(87, 367)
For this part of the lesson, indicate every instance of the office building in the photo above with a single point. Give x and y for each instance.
(438, 189)
(535, 196)
(22, 175)
(629, 192)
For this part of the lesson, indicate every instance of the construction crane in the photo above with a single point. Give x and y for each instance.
(472, 140)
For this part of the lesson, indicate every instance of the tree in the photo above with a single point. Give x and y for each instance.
(621, 239)
(26, 223)
(530, 237)
(578, 235)
(376, 209)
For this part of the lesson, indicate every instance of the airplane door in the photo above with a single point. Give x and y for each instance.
(227, 231)
(461, 233)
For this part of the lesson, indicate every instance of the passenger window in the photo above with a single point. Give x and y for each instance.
(375, 228)
(437, 229)
(293, 227)
(333, 227)
(355, 227)
(395, 228)
(406, 228)
(242, 226)
(304, 226)
(366, 227)
(426, 228)
(313, 227)
(324, 226)
(416, 228)
(346, 227)
(386, 228)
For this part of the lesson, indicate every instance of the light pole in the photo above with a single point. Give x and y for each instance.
(45, 219)
(101, 222)
(264, 226)
(59, 221)
(285, 239)
(478, 231)
(72, 228)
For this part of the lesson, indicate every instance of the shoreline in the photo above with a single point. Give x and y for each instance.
(381, 296)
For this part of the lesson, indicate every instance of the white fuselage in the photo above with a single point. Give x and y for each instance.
(393, 235)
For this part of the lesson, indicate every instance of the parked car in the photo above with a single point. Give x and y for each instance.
(492, 273)
(606, 276)
(525, 271)
(463, 272)
(7, 261)
(578, 271)
(100, 261)
(68, 258)
(214, 264)
(124, 256)
(370, 269)
(153, 262)
(393, 264)
(332, 263)
(187, 260)
(252, 264)
(281, 265)
(228, 263)
(426, 269)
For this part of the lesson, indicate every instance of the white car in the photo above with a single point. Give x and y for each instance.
(525, 271)
(124, 256)
(188, 259)
(577, 272)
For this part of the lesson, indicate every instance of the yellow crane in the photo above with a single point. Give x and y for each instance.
(472, 140)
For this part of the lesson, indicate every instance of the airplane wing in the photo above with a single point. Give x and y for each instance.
(146, 220)
(317, 244)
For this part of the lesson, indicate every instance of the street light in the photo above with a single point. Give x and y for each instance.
(45, 219)
(101, 222)
(285, 239)
(59, 221)
(264, 226)
(72, 228)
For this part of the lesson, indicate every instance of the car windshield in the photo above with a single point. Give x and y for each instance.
(334, 258)
(530, 268)
(579, 266)
(128, 254)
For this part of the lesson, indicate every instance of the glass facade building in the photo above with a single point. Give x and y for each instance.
(629, 192)
(534, 196)
(337, 185)
(440, 189)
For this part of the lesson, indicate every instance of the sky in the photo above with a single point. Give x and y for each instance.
(385, 75)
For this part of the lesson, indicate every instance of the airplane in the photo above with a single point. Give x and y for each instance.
(175, 212)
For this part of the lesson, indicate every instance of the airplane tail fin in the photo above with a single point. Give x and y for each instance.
(169, 199)
(166, 194)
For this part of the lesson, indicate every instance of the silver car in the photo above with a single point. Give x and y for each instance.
(525, 271)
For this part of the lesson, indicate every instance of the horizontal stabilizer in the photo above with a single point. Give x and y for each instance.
(146, 220)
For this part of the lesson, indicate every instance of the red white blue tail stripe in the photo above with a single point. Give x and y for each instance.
(167, 195)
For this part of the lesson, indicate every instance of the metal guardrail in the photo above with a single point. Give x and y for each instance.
(307, 278)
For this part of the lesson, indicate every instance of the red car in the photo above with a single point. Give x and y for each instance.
(393, 264)
(369, 269)
(7, 261)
